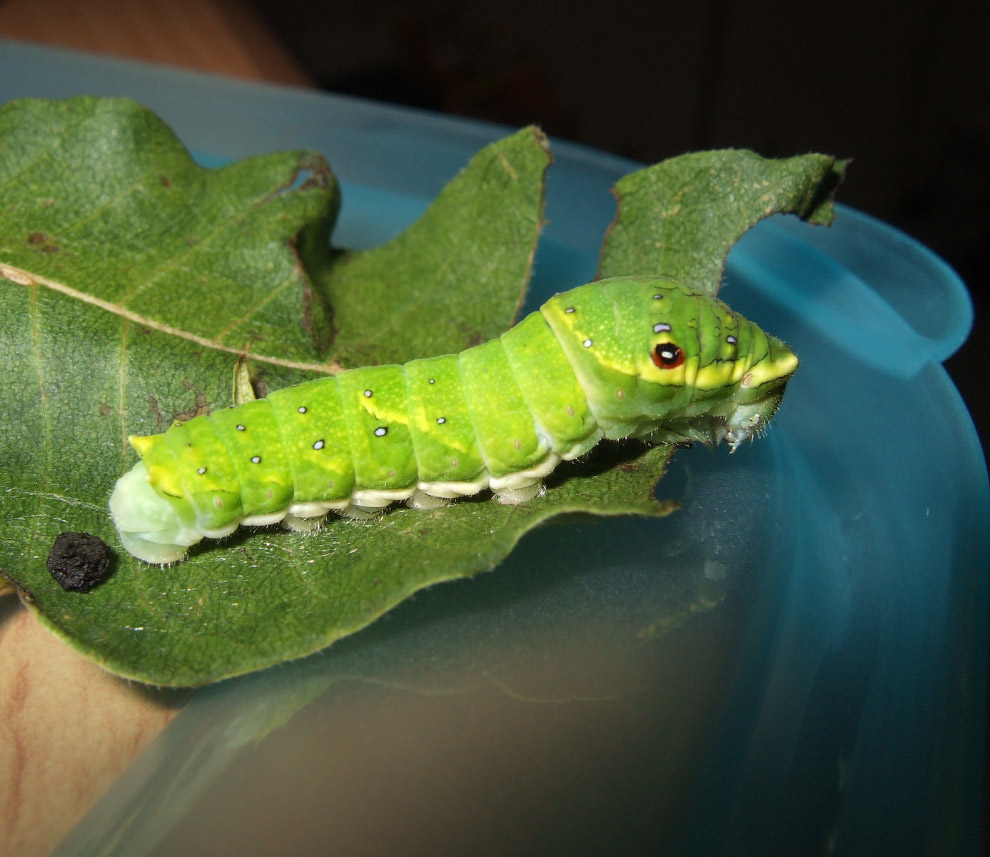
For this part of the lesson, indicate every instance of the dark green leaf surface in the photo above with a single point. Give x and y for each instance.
(680, 217)
(131, 280)
(101, 202)
(467, 262)
(100, 338)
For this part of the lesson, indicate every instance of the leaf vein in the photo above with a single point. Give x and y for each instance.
(25, 278)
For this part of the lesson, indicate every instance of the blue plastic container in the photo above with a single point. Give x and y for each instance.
(794, 664)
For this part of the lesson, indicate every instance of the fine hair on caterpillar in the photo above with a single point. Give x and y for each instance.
(640, 357)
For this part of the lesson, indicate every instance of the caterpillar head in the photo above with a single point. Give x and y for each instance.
(647, 349)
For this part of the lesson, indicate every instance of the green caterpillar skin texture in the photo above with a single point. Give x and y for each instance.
(626, 357)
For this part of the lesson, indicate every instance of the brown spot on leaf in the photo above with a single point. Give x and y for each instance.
(153, 403)
(202, 407)
(40, 240)
(105, 409)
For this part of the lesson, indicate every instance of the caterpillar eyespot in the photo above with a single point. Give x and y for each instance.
(668, 355)
(566, 377)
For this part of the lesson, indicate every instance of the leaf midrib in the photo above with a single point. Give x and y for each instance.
(21, 277)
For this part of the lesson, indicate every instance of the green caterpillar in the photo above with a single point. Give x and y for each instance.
(626, 357)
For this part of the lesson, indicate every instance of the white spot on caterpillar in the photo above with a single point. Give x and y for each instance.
(381, 431)
(240, 428)
(658, 297)
(201, 471)
(433, 380)
(368, 394)
(319, 444)
(569, 310)
(587, 343)
(660, 328)
(441, 420)
(256, 459)
(730, 339)
(301, 409)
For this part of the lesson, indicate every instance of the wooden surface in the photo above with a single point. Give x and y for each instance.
(68, 730)
(219, 36)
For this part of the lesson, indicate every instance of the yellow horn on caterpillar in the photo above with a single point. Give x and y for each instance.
(145, 444)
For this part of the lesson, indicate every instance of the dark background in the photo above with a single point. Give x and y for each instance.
(902, 88)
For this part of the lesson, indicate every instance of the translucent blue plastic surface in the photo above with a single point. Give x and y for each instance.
(830, 698)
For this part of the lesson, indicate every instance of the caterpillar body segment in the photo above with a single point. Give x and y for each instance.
(627, 357)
